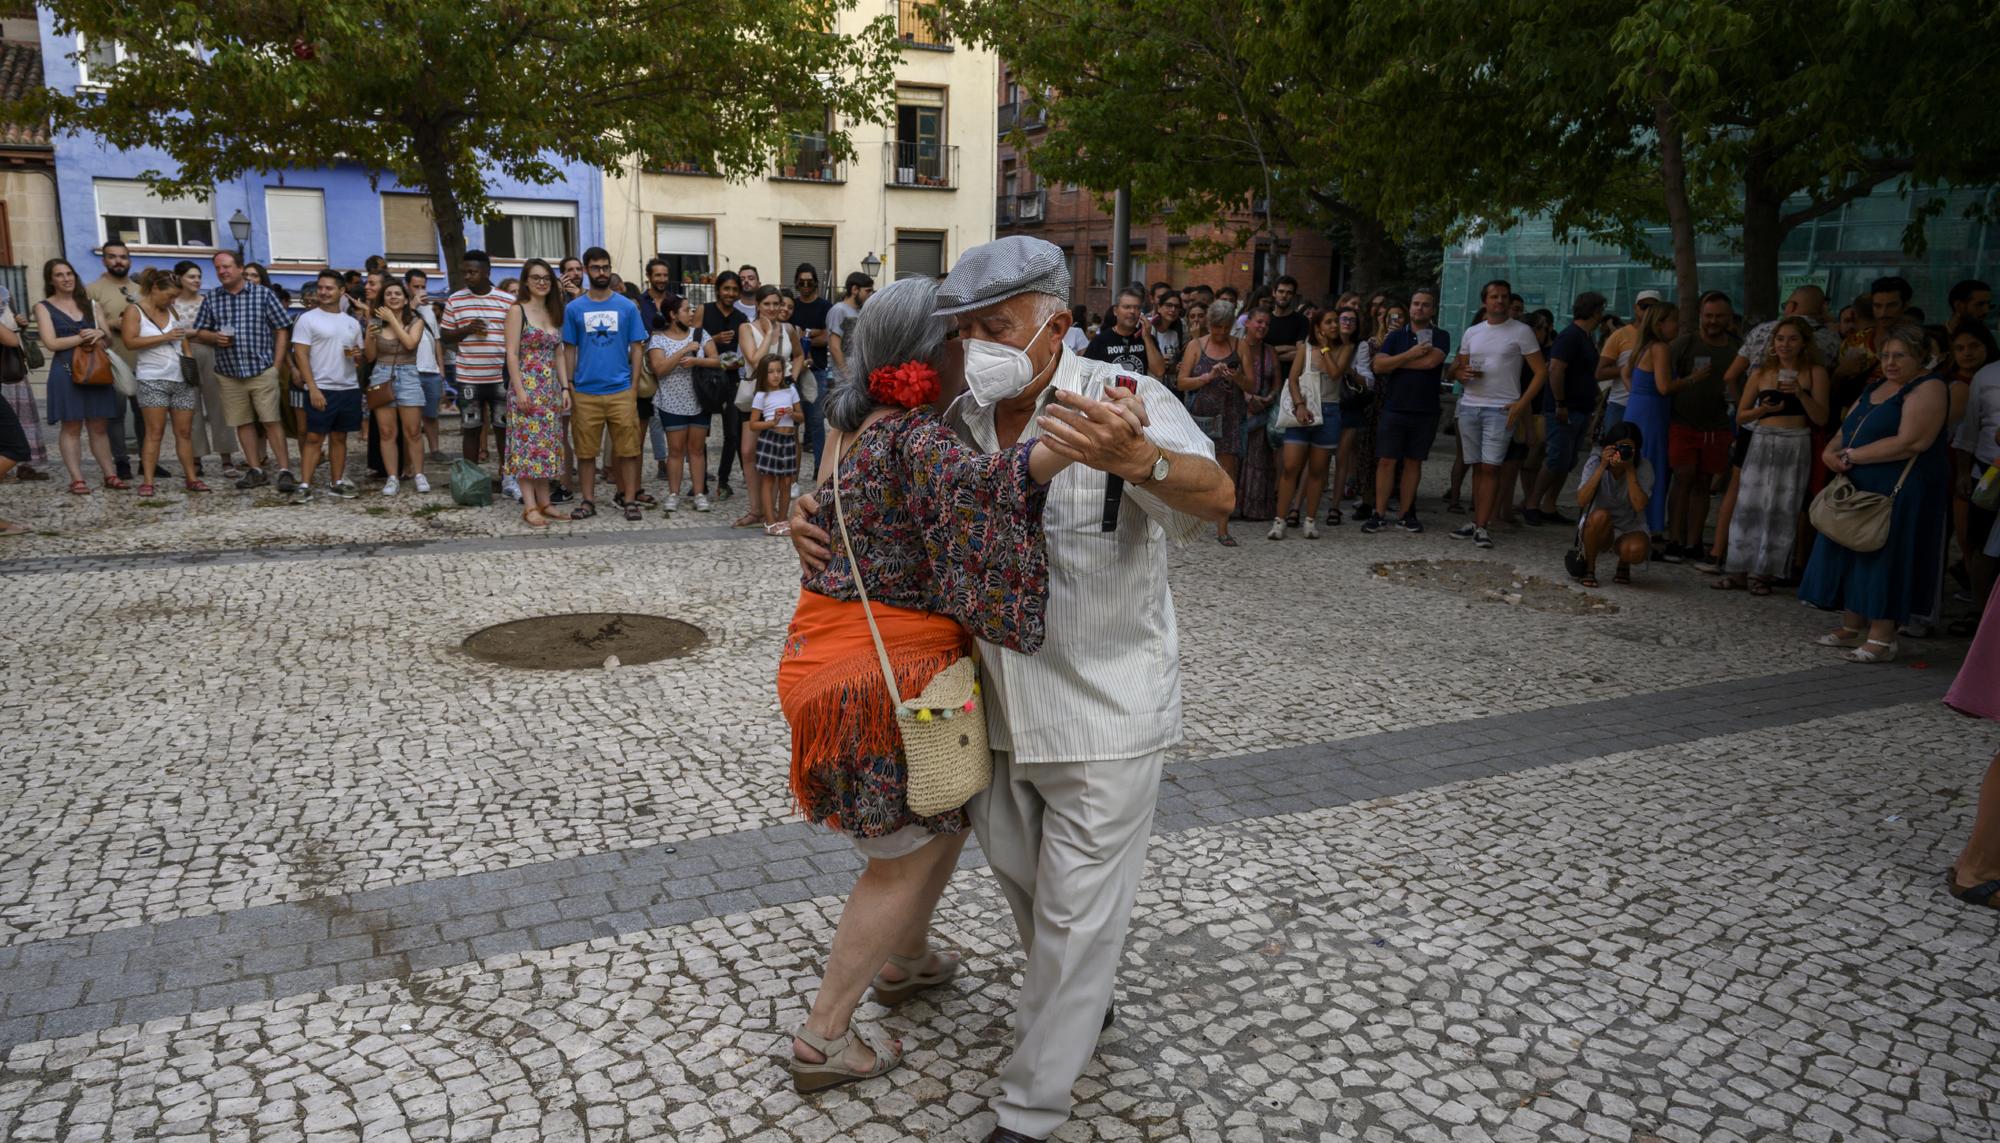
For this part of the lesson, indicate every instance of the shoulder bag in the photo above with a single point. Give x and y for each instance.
(945, 751)
(90, 365)
(713, 389)
(1854, 519)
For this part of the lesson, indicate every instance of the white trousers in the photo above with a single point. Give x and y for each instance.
(1067, 842)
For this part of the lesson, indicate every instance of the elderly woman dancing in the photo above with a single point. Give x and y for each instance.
(948, 543)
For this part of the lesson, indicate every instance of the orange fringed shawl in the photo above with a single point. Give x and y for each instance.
(830, 682)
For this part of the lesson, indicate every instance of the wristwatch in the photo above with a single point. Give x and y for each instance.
(1159, 470)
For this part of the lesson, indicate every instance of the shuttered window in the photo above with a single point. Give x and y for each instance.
(684, 238)
(798, 244)
(919, 254)
(409, 232)
(295, 218)
(129, 212)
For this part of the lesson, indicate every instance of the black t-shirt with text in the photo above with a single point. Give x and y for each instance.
(1128, 353)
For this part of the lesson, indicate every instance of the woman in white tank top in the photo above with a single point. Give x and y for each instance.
(159, 338)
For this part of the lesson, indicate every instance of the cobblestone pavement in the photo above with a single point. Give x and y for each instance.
(1444, 857)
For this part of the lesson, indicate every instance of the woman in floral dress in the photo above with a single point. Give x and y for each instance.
(950, 542)
(537, 391)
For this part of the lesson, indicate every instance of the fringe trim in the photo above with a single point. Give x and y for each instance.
(847, 715)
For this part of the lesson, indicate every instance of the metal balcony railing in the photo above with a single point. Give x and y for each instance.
(683, 167)
(930, 165)
(1026, 116)
(806, 158)
(917, 29)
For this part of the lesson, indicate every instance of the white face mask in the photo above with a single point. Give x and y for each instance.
(995, 372)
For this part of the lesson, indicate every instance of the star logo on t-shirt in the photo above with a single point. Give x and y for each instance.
(601, 325)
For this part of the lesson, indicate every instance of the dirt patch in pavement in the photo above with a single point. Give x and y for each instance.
(584, 641)
(1487, 582)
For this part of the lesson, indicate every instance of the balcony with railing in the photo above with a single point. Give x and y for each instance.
(683, 167)
(918, 28)
(1023, 208)
(929, 166)
(1026, 116)
(807, 158)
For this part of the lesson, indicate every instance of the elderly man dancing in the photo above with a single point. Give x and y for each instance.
(1080, 730)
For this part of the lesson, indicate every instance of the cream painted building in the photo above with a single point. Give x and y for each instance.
(918, 191)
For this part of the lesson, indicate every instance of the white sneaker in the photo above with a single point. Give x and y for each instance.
(391, 486)
(701, 501)
(1277, 531)
(1311, 529)
(672, 503)
(423, 485)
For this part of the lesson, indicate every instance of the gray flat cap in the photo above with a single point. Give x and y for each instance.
(1006, 268)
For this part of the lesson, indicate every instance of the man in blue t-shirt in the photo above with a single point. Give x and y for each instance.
(1410, 367)
(603, 339)
(1569, 403)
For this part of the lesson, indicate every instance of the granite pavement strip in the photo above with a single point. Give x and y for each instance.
(75, 985)
(460, 545)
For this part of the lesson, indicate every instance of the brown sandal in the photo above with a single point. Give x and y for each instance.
(533, 518)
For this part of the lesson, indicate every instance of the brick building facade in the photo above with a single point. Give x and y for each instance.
(1161, 251)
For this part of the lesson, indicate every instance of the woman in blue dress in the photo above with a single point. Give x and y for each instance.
(1652, 404)
(65, 320)
(1891, 442)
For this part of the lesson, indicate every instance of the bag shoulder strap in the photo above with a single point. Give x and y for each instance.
(854, 567)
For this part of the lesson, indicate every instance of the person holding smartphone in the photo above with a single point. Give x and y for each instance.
(1612, 494)
(1783, 401)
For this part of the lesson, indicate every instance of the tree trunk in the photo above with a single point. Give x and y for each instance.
(1680, 216)
(1763, 233)
(1373, 254)
(435, 166)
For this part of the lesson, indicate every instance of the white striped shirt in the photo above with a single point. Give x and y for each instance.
(1106, 684)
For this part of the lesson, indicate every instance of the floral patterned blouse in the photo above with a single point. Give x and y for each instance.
(943, 528)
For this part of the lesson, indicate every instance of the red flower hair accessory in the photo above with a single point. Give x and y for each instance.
(907, 386)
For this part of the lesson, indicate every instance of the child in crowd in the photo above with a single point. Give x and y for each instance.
(772, 419)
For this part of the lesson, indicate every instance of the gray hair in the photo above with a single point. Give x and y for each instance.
(898, 324)
(1221, 312)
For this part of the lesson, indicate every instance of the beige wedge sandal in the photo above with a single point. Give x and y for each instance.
(920, 973)
(810, 1077)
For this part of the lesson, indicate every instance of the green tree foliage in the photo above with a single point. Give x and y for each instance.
(1201, 109)
(1455, 116)
(435, 91)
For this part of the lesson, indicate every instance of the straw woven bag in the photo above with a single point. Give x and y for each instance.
(944, 728)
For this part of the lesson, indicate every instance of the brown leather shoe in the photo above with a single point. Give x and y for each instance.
(1002, 1135)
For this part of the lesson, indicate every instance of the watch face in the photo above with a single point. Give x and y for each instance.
(1160, 469)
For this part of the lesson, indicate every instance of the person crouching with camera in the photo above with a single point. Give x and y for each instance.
(1612, 494)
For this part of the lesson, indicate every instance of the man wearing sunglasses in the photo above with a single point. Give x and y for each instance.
(809, 313)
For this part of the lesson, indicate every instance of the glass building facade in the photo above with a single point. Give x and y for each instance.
(1841, 252)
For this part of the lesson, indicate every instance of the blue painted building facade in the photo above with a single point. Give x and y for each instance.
(300, 220)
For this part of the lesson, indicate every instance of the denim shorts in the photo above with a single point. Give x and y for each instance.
(1325, 434)
(1565, 436)
(409, 385)
(433, 384)
(1483, 435)
(675, 422)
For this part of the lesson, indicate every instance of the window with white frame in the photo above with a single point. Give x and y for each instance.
(95, 61)
(295, 219)
(526, 228)
(130, 212)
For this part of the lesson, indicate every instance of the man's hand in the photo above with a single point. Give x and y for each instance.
(317, 398)
(475, 327)
(815, 548)
(1105, 435)
(1516, 411)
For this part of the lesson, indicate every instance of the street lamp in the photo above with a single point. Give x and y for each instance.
(239, 227)
(871, 265)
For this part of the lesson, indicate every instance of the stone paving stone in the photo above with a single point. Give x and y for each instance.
(1613, 947)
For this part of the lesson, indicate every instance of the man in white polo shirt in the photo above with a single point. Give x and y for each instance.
(1490, 359)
